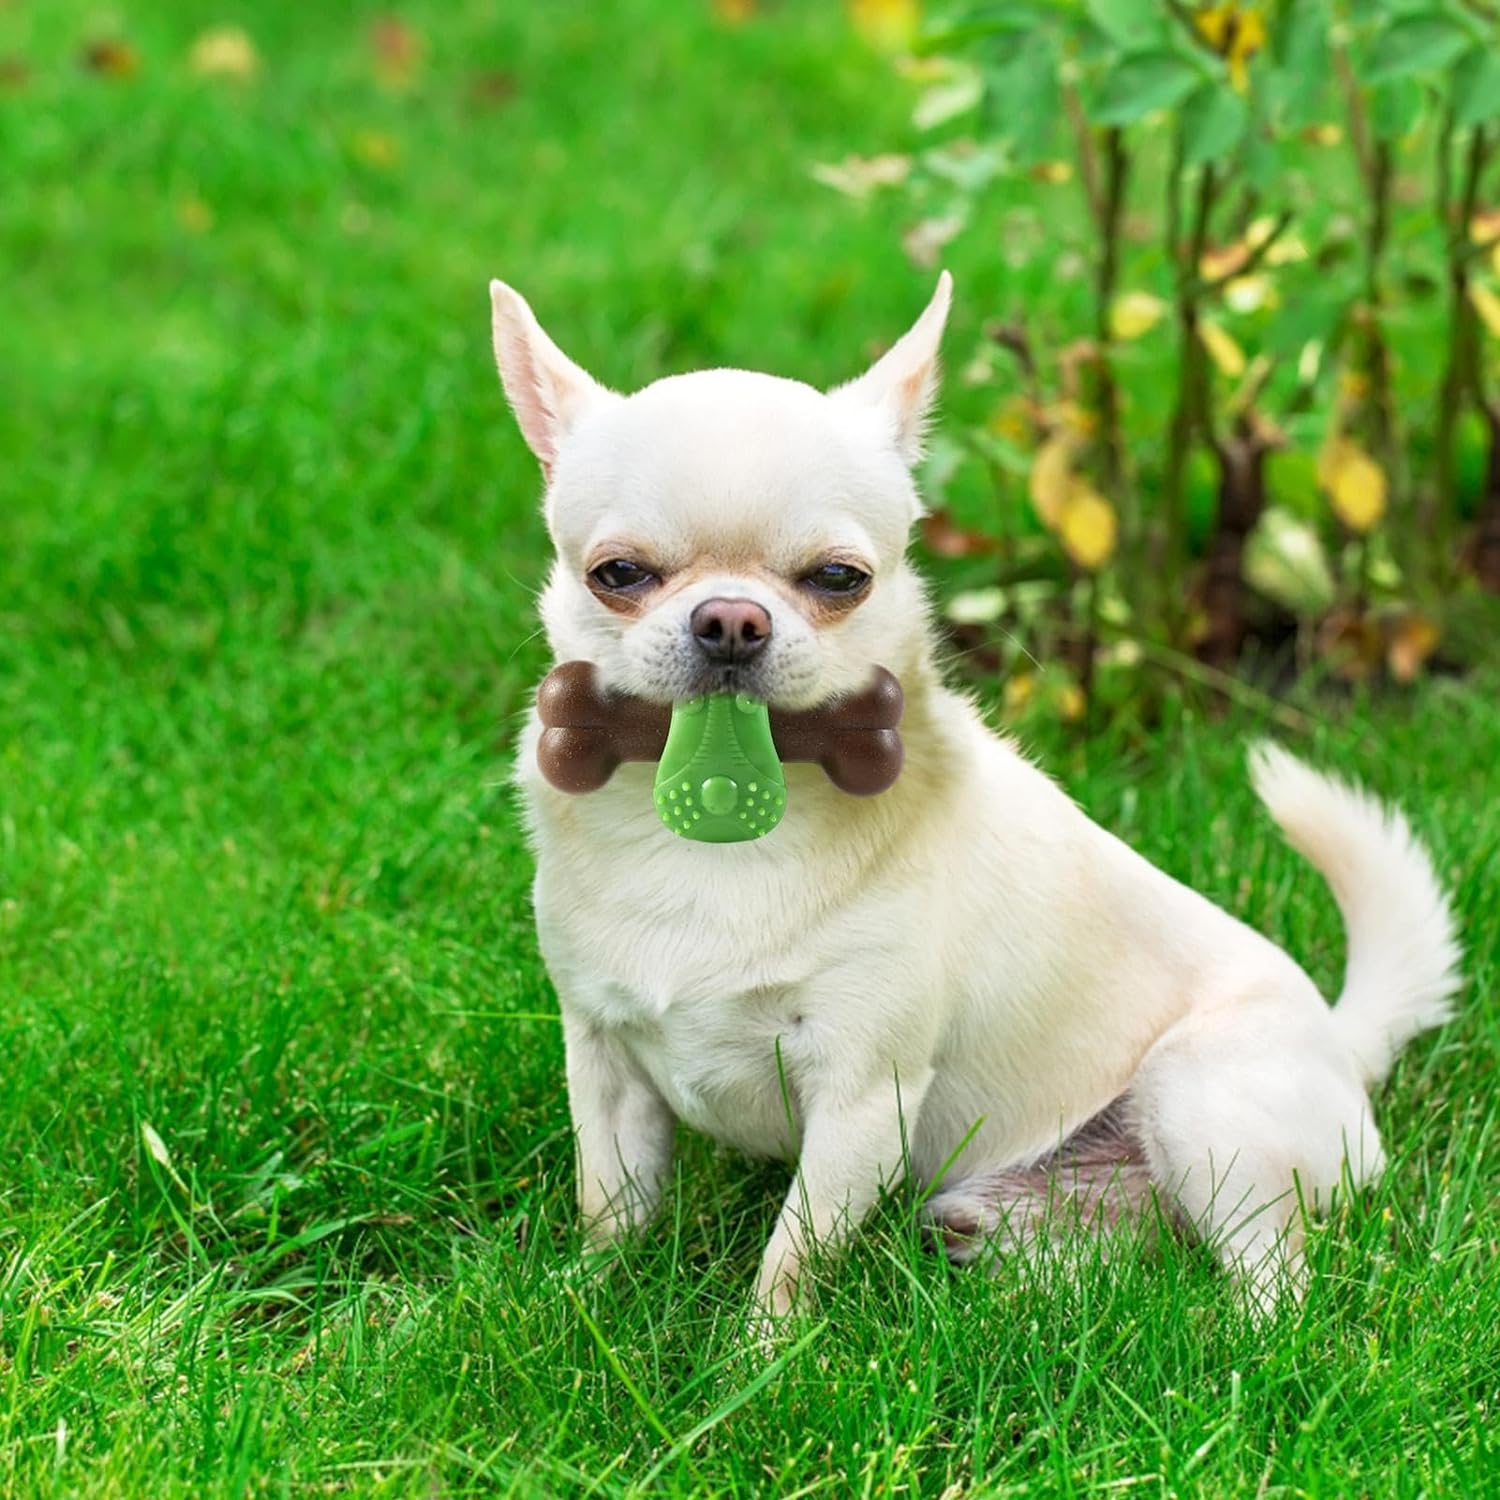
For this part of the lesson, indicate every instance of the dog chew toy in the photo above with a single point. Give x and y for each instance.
(718, 776)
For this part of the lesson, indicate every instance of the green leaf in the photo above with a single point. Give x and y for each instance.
(1299, 83)
(1476, 87)
(1395, 108)
(1263, 166)
(983, 22)
(1130, 23)
(1142, 84)
(1416, 44)
(1023, 100)
(1213, 122)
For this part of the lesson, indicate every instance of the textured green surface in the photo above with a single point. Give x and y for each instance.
(719, 780)
(268, 547)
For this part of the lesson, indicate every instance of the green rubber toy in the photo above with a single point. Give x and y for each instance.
(719, 779)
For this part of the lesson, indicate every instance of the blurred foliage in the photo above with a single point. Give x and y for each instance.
(1258, 411)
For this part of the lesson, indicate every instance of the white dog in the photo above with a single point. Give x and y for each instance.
(963, 978)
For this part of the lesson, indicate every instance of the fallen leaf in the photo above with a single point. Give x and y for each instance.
(1354, 482)
(1222, 349)
(1133, 314)
(1352, 644)
(859, 176)
(112, 58)
(397, 52)
(925, 240)
(1051, 478)
(1088, 527)
(1413, 639)
(890, 25)
(225, 52)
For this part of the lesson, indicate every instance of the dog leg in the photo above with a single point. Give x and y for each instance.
(623, 1131)
(1097, 1184)
(1249, 1112)
(851, 1147)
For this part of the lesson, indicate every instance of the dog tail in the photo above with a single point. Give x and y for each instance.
(1403, 961)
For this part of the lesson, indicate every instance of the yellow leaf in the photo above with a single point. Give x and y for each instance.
(1412, 642)
(1052, 172)
(1069, 417)
(1219, 261)
(1018, 691)
(1487, 305)
(1088, 527)
(1248, 294)
(225, 52)
(1322, 133)
(1051, 478)
(1222, 349)
(1011, 420)
(1071, 703)
(1354, 482)
(1485, 225)
(1133, 314)
(734, 12)
(888, 24)
(1236, 32)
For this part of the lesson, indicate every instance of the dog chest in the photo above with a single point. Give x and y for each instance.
(729, 1066)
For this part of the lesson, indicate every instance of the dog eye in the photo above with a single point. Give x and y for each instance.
(619, 574)
(836, 578)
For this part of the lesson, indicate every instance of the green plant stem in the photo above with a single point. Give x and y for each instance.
(1460, 385)
(1385, 423)
(1191, 406)
(1111, 207)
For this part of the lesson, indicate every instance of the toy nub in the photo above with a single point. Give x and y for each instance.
(719, 780)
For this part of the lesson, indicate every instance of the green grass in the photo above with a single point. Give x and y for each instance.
(267, 549)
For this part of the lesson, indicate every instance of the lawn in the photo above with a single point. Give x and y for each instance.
(286, 1197)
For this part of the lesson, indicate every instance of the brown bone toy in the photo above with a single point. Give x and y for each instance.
(587, 732)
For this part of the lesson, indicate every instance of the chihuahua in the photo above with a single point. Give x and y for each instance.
(964, 981)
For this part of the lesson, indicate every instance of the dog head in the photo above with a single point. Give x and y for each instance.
(724, 530)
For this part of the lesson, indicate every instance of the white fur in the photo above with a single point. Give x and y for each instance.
(966, 957)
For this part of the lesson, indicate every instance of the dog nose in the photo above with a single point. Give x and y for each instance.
(730, 630)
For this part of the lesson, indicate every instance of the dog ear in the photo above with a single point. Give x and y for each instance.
(546, 390)
(903, 381)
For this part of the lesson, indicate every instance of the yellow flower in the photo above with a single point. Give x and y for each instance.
(1236, 32)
